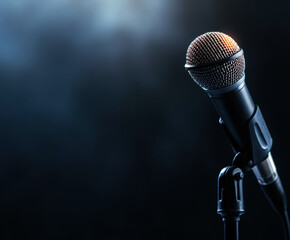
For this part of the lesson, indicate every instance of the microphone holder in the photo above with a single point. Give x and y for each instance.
(230, 202)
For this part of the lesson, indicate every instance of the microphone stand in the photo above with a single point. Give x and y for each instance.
(230, 203)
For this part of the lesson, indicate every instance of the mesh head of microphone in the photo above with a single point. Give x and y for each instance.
(208, 49)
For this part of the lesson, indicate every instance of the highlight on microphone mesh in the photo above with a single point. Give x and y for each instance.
(206, 61)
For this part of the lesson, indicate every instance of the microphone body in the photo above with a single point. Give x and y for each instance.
(246, 129)
(235, 107)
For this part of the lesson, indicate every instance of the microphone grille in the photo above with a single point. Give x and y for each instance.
(209, 49)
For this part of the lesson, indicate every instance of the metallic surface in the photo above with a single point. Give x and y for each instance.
(210, 47)
(230, 89)
(265, 171)
(206, 53)
(217, 62)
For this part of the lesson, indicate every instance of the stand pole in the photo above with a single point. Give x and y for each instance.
(230, 204)
(231, 229)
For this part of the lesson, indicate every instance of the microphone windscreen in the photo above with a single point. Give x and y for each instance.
(207, 53)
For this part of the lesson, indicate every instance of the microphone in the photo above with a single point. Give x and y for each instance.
(217, 64)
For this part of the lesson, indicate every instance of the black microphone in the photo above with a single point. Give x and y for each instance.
(217, 64)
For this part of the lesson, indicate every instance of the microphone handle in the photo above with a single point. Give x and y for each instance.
(235, 107)
(244, 125)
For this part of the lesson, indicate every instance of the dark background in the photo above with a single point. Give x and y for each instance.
(103, 133)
